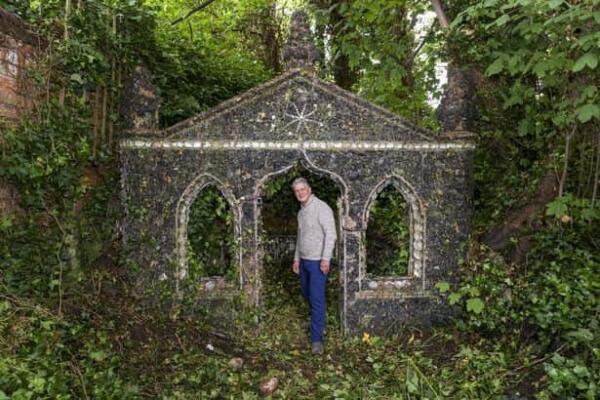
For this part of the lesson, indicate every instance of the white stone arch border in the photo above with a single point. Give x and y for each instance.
(417, 232)
(182, 216)
(307, 164)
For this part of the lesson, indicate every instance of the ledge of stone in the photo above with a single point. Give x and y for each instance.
(458, 135)
(392, 294)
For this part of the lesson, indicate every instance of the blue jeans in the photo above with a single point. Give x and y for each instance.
(313, 283)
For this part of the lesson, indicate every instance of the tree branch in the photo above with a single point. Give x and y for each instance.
(499, 236)
(440, 13)
(422, 43)
(193, 11)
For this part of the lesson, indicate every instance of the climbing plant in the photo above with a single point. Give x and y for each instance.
(211, 241)
(387, 236)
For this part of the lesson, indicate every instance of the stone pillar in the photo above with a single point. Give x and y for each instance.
(352, 255)
(250, 262)
(300, 51)
(140, 105)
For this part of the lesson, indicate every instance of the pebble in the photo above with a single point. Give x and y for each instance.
(268, 386)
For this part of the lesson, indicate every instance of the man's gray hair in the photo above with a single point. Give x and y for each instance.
(300, 181)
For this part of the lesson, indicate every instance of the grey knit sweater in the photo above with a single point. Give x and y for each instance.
(316, 231)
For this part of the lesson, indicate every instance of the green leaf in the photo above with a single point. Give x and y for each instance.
(589, 214)
(587, 112)
(556, 208)
(588, 59)
(581, 335)
(37, 384)
(77, 78)
(554, 3)
(475, 305)
(454, 298)
(98, 355)
(443, 287)
(504, 18)
(495, 67)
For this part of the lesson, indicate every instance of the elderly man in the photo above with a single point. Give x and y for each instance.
(314, 248)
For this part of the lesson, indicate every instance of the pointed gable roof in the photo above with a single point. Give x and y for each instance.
(297, 106)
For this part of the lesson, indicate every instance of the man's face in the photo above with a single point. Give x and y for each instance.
(302, 193)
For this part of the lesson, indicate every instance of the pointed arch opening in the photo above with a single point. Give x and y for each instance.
(394, 245)
(207, 232)
(210, 240)
(278, 216)
(388, 234)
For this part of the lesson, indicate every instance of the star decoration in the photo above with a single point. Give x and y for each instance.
(301, 118)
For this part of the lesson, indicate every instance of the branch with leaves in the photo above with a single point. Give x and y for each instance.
(193, 11)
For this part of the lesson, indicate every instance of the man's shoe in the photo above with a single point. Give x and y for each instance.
(317, 348)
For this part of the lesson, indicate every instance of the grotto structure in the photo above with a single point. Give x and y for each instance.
(238, 146)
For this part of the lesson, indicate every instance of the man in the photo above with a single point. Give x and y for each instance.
(312, 260)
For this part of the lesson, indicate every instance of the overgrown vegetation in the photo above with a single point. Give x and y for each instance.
(387, 235)
(210, 236)
(71, 323)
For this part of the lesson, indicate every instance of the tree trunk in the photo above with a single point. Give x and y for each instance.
(499, 237)
(272, 39)
(457, 111)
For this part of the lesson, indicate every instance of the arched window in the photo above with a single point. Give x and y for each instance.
(210, 239)
(388, 235)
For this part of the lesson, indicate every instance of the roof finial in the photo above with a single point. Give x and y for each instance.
(300, 51)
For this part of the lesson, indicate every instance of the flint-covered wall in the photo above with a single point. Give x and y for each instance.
(242, 144)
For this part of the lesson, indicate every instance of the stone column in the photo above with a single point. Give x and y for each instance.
(250, 262)
(352, 254)
(140, 106)
(300, 51)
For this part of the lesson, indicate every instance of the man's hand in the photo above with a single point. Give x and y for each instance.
(325, 266)
(296, 266)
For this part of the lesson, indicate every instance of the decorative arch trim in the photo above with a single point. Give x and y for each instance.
(307, 164)
(417, 221)
(182, 217)
(344, 210)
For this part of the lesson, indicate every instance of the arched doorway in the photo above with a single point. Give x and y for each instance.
(278, 216)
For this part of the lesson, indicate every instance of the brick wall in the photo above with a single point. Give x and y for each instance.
(18, 46)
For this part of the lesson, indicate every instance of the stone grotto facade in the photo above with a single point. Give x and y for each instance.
(240, 145)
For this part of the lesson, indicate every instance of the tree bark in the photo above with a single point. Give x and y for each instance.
(563, 176)
(271, 39)
(457, 111)
(499, 237)
(440, 13)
